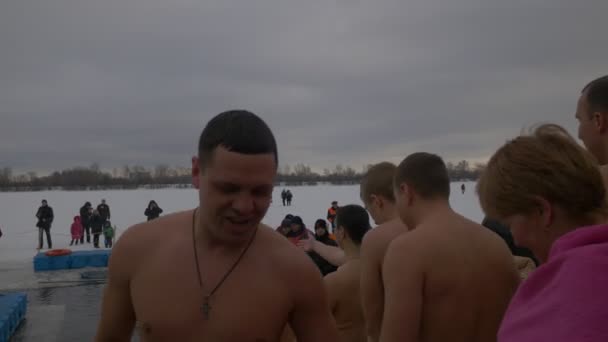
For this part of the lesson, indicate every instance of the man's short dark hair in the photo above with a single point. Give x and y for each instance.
(355, 221)
(426, 173)
(596, 94)
(238, 131)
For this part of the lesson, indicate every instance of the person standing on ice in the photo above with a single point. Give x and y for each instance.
(85, 218)
(153, 211)
(104, 211)
(289, 197)
(76, 230)
(331, 214)
(97, 223)
(45, 219)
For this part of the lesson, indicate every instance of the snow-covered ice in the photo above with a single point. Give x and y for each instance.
(20, 239)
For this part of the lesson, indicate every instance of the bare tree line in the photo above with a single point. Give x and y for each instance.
(163, 175)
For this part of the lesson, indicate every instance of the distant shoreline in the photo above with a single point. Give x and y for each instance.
(172, 186)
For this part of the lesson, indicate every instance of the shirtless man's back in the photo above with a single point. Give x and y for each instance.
(448, 279)
(378, 196)
(343, 285)
(215, 273)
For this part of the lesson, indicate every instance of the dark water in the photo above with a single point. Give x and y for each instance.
(61, 314)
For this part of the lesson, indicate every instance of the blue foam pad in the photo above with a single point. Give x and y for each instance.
(78, 259)
(12, 311)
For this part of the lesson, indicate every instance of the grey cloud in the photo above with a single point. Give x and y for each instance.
(339, 82)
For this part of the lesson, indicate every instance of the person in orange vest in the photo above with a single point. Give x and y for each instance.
(331, 214)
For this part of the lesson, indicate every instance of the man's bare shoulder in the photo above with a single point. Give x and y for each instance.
(408, 244)
(137, 240)
(154, 231)
(378, 239)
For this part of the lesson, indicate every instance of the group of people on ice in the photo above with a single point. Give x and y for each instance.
(286, 196)
(95, 222)
(90, 221)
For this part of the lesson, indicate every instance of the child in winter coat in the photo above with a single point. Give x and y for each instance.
(77, 230)
(108, 233)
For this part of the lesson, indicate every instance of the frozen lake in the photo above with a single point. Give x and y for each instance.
(17, 210)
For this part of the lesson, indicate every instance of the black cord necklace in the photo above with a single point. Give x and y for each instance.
(206, 307)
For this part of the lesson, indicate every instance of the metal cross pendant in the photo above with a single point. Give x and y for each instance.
(205, 308)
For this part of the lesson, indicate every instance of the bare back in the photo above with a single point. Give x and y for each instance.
(153, 278)
(345, 301)
(460, 280)
(373, 249)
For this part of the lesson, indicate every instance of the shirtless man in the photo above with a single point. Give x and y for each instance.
(379, 199)
(215, 273)
(343, 285)
(592, 117)
(448, 278)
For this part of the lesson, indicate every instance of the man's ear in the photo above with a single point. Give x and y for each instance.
(196, 172)
(600, 121)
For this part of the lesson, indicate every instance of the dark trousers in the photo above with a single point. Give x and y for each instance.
(108, 242)
(49, 243)
(74, 240)
(96, 240)
(87, 231)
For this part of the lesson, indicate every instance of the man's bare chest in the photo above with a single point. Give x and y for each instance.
(170, 306)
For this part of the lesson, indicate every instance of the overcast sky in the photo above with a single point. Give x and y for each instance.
(135, 81)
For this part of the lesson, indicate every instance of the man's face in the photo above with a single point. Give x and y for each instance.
(44, 204)
(335, 205)
(340, 235)
(588, 131)
(371, 205)
(235, 191)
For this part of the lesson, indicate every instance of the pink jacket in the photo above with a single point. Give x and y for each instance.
(566, 299)
(77, 230)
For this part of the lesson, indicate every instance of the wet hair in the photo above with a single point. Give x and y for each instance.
(238, 131)
(378, 180)
(426, 173)
(355, 221)
(596, 94)
(321, 223)
(548, 163)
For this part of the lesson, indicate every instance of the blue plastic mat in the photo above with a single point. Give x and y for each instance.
(79, 259)
(12, 311)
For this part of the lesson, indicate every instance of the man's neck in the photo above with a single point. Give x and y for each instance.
(391, 215)
(428, 209)
(350, 250)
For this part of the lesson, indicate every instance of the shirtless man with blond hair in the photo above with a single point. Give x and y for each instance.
(378, 196)
(376, 192)
(216, 273)
(343, 285)
(448, 278)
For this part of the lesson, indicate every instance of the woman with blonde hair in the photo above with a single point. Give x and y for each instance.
(549, 192)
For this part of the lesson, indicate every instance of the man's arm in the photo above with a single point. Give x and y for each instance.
(372, 291)
(311, 318)
(403, 279)
(117, 314)
(333, 255)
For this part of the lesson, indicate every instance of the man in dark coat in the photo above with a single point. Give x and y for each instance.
(45, 219)
(104, 211)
